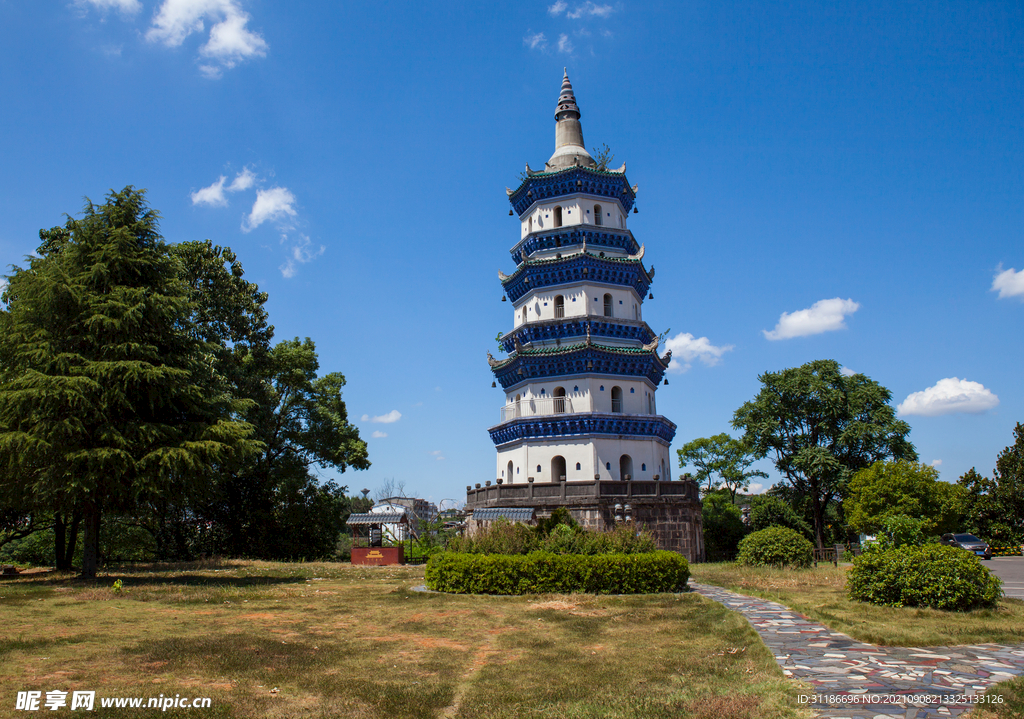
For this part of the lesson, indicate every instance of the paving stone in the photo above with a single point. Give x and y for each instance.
(839, 666)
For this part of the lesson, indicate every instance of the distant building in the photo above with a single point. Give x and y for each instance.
(579, 427)
(421, 508)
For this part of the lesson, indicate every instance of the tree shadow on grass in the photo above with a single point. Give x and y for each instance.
(156, 578)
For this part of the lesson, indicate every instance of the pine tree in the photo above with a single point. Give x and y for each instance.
(108, 393)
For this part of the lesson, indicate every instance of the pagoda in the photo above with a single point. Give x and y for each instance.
(579, 426)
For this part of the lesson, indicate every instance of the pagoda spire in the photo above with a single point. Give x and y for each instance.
(569, 148)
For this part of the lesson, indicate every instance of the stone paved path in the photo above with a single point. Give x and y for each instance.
(872, 676)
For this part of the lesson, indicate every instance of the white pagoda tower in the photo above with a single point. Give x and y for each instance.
(583, 368)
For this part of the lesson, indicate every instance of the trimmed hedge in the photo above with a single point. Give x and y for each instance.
(776, 547)
(932, 575)
(544, 572)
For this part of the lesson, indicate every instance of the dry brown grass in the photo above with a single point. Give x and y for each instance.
(340, 641)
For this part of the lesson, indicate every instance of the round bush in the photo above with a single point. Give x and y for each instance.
(544, 572)
(932, 575)
(775, 547)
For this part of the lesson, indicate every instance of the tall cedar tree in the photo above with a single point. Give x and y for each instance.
(820, 426)
(109, 396)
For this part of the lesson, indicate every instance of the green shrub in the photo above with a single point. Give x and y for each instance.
(544, 572)
(775, 547)
(505, 537)
(932, 575)
(502, 537)
(723, 526)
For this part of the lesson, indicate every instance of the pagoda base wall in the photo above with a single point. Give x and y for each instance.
(670, 511)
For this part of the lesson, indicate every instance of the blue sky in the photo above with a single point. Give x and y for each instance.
(816, 180)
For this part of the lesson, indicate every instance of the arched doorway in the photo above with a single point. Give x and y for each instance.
(625, 467)
(508, 472)
(597, 216)
(607, 305)
(559, 400)
(559, 306)
(617, 399)
(557, 468)
(558, 216)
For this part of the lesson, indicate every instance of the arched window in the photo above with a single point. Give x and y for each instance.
(559, 400)
(559, 306)
(509, 471)
(650, 404)
(643, 467)
(517, 412)
(597, 216)
(636, 313)
(524, 315)
(625, 467)
(616, 399)
(578, 467)
(558, 216)
(607, 306)
(557, 468)
(531, 223)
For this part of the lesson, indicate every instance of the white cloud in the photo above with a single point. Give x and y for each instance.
(755, 488)
(211, 195)
(128, 7)
(822, 316)
(301, 253)
(690, 348)
(3, 285)
(377, 434)
(230, 41)
(271, 205)
(936, 463)
(1009, 283)
(564, 45)
(591, 10)
(948, 396)
(243, 180)
(847, 372)
(214, 194)
(535, 41)
(389, 418)
(437, 454)
(558, 8)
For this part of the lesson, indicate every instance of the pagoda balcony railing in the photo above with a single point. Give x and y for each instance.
(616, 405)
(537, 406)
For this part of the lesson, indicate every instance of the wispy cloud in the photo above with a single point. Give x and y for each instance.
(558, 8)
(589, 9)
(301, 252)
(535, 41)
(822, 316)
(949, 396)
(213, 195)
(377, 434)
(127, 7)
(936, 463)
(564, 44)
(274, 205)
(437, 454)
(684, 345)
(389, 418)
(847, 372)
(1008, 283)
(229, 43)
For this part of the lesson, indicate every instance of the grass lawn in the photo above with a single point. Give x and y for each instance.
(331, 640)
(821, 595)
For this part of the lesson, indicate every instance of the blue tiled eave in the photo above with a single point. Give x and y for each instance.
(596, 237)
(578, 268)
(574, 180)
(632, 426)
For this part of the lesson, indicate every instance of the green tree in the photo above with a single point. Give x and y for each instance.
(820, 426)
(302, 424)
(890, 489)
(108, 397)
(723, 526)
(770, 511)
(994, 508)
(721, 461)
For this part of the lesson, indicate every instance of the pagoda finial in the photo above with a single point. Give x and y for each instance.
(569, 148)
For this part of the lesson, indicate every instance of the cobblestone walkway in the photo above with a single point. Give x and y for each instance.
(868, 681)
